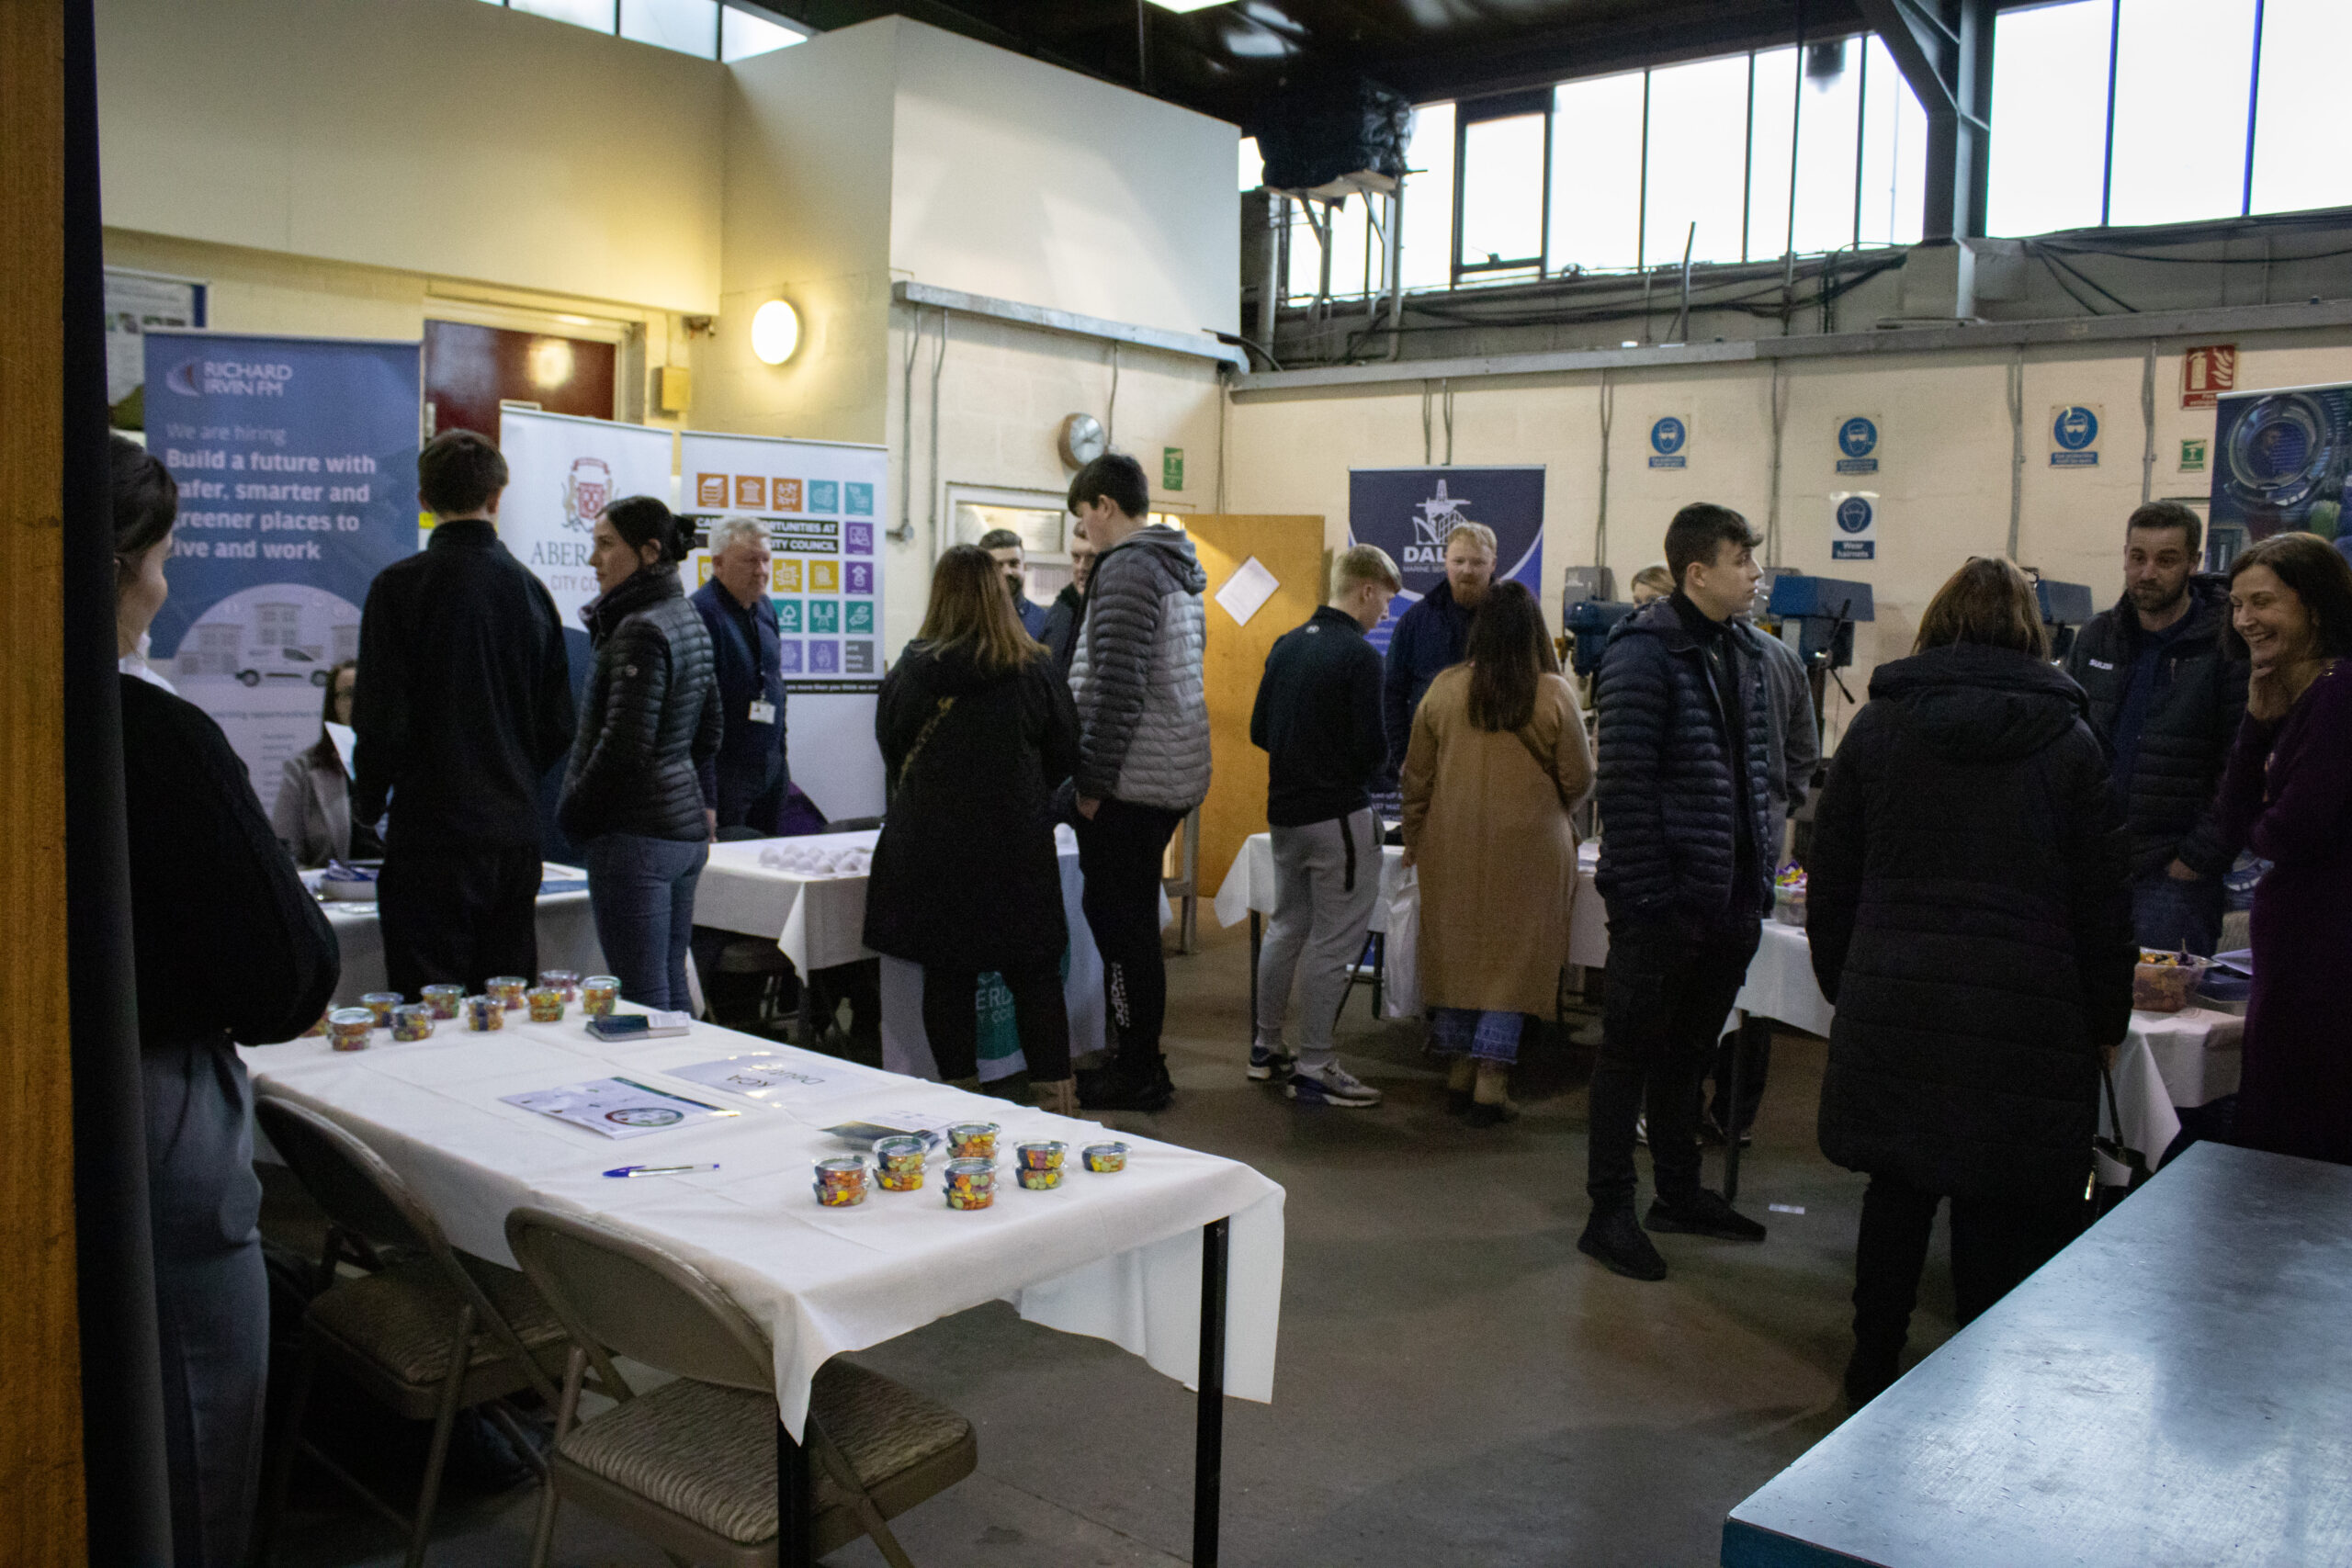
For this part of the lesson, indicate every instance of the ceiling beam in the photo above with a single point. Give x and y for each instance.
(1945, 51)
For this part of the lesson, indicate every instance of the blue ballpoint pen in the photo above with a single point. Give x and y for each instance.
(627, 1170)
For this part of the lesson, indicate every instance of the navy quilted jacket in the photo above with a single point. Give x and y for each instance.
(1668, 791)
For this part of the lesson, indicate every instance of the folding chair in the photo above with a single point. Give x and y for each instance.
(431, 1332)
(693, 1466)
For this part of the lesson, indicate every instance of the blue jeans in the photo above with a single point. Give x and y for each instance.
(642, 891)
(2169, 914)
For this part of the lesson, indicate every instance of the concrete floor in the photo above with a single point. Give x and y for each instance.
(1457, 1384)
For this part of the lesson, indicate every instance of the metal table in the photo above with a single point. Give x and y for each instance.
(2173, 1388)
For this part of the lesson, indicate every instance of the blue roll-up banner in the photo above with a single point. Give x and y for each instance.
(296, 459)
(1409, 513)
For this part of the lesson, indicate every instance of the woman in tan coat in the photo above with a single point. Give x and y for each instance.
(1497, 762)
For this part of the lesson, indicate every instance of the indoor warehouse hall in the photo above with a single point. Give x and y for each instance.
(1149, 783)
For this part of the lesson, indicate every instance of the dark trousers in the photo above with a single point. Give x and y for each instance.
(2169, 914)
(1119, 853)
(642, 892)
(1754, 1039)
(457, 916)
(211, 1296)
(747, 799)
(951, 1018)
(1994, 1245)
(1668, 993)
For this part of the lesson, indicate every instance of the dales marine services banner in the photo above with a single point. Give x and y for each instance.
(1409, 513)
(296, 459)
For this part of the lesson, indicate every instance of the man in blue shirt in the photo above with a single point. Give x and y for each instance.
(749, 777)
(1004, 547)
(1430, 636)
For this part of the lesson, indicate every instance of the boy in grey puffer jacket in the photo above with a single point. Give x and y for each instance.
(1142, 756)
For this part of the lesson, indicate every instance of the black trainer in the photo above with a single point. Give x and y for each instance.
(1126, 1085)
(1704, 1213)
(1870, 1372)
(1620, 1245)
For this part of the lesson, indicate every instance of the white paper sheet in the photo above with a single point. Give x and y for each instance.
(614, 1108)
(1246, 592)
(762, 1076)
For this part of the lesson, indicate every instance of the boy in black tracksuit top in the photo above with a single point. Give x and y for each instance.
(1319, 720)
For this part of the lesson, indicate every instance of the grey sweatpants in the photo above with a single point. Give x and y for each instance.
(1327, 878)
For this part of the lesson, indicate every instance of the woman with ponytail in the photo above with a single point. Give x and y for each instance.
(649, 721)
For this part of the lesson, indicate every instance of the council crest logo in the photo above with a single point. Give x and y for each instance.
(587, 490)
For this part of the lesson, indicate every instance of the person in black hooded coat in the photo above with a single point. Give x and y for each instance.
(1971, 917)
(976, 731)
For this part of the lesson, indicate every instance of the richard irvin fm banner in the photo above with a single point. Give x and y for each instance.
(296, 459)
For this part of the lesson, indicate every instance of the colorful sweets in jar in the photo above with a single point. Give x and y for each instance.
(597, 995)
(841, 1181)
(1037, 1181)
(898, 1164)
(348, 1027)
(971, 1183)
(1047, 1154)
(547, 1004)
(564, 980)
(1105, 1159)
(972, 1140)
(381, 1004)
(485, 1014)
(446, 1000)
(507, 990)
(412, 1021)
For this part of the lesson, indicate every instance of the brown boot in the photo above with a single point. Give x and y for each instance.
(1458, 1079)
(1490, 1101)
(1058, 1097)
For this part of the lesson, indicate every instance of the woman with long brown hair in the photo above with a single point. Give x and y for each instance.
(2288, 796)
(1970, 911)
(1497, 761)
(976, 731)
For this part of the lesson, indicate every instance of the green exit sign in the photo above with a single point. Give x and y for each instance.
(1171, 468)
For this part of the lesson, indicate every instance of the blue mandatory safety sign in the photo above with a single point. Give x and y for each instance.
(2073, 434)
(1668, 438)
(1854, 517)
(1856, 447)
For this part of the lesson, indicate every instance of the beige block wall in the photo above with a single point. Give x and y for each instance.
(441, 137)
(1003, 392)
(1945, 450)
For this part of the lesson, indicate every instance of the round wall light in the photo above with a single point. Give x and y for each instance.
(775, 332)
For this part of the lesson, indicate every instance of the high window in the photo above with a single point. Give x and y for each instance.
(704, 28)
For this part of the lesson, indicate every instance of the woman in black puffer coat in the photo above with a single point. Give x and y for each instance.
(976, 732)
(649, 719)
(1971, 917)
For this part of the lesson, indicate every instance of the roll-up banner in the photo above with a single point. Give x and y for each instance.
(1409, 513)
(819, 500)
(296, 459)
(562, 471)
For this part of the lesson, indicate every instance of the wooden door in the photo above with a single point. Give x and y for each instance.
(470, 370)
(1291, 550)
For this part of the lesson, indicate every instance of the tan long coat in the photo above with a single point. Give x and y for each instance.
(1487, 825)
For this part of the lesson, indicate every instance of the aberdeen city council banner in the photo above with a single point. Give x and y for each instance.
(562, 471)
(1409, 513)
(296, 459)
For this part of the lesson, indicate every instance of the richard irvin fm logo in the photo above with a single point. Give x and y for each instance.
(228, 379)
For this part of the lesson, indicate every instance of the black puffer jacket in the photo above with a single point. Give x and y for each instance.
(649, 719)
(1669, 793)
(966, 872)
(2200, 698)
(1970, 916)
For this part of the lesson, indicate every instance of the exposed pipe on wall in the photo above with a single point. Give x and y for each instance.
(2017, 445)
(1600, 523)
(938, 364)
(2148, 424)
(1445, 394)
(1111, 414)
(905, 531)
(1779, 394)
(1428, 452)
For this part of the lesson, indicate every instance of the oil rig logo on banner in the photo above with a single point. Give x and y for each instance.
(1440, 515)
(587, 490)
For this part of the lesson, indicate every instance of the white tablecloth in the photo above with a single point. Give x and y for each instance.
(822, 922)
(567, 940)
(1249, 886)
(1115, 1257)
(2169, 1061)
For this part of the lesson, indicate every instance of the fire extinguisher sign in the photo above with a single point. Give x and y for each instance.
(2206, 373)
